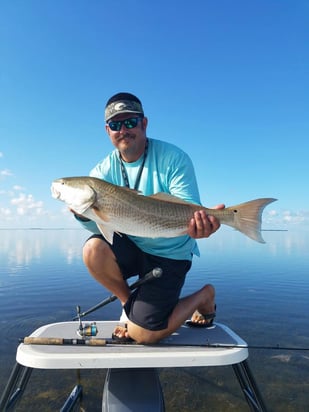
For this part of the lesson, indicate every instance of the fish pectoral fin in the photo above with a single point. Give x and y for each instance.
(103, 225)
(106, 232)
(81, 208)
(168, 198)
(99, 213)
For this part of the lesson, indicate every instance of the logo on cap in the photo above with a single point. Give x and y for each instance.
(125, 106)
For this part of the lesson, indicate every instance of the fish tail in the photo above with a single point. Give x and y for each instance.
(248, 216)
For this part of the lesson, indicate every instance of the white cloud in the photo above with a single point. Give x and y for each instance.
(273, 213)
(18, 188)
(6, 172)
(295, 218)
(1, 154)
(5, 211)
(25, 205)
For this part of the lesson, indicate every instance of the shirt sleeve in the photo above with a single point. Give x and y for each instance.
(88, 225)
(181, 178)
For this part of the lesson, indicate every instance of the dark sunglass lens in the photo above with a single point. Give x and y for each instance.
(115, 126)
(131, 123)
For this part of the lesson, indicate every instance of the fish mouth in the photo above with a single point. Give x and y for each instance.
(54, 192)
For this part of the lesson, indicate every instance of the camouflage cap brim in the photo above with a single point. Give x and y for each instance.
(122, 106)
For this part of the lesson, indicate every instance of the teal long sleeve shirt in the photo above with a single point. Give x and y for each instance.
(167, 169)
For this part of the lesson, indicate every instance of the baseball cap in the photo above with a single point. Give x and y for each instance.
(122, 103)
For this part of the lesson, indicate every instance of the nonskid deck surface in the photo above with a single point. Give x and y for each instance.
(174, 351)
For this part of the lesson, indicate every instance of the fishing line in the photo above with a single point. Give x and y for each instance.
(265, 347)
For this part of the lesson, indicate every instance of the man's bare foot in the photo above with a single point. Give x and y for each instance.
(206, 312)
(121, 334)
(203, 318)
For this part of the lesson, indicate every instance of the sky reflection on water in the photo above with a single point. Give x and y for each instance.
(262, 293)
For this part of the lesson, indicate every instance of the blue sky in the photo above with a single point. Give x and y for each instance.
(225, 80)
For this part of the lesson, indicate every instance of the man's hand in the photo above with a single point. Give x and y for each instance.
(203, 225)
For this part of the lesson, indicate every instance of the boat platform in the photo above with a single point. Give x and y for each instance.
(132, 382)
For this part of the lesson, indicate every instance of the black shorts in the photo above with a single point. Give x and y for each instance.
(151, 304)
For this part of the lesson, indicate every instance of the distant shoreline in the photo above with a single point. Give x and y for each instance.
(77, 228)
(41, 228)
(274, 230)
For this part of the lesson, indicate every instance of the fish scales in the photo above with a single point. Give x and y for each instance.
(144, 216)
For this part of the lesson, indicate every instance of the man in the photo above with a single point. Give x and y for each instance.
(154, 310)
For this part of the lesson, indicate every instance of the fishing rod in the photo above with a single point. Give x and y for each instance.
(153, 274)
(33, 340)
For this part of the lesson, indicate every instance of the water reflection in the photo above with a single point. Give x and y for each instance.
(20, 248)
(278, 243)
(262, 293)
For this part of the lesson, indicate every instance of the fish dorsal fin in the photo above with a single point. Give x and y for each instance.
(168, 198)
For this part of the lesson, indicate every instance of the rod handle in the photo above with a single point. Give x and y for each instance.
(33, 340)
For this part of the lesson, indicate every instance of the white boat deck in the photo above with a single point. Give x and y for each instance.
(175, 351)
(126, 364)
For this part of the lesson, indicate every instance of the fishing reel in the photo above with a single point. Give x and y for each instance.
(87, 329)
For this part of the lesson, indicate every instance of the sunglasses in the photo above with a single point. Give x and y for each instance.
(115, 126)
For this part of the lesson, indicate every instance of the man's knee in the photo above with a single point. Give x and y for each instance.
(211, 290)
(94, 249)
(208, 291)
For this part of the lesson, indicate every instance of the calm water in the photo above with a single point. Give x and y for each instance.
(262, 294)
